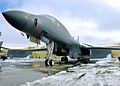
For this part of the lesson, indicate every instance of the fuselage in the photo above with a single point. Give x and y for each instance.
(40, 25)
(49, 27)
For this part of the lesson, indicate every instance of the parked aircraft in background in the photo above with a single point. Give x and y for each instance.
(49, 30)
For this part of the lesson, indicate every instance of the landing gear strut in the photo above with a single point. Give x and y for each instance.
(49, 61)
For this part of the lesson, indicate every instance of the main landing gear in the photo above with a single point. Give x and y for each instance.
(3, 57)
(49, 61)
(84, 59)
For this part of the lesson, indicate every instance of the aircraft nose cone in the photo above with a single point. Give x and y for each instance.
(17, 19)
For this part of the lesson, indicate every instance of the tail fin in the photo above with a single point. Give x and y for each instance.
(1, 42)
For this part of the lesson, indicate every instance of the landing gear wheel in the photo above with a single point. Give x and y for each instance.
(119, 58)
(3, 58)
(51, 62)
(47, 62)
(64, 59)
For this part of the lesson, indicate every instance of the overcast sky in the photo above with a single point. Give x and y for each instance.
(95, 21)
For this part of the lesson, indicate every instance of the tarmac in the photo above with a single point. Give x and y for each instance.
(33, 72)
(18, 71)
(102, 73)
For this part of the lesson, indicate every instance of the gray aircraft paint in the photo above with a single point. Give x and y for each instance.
(18, 53)
(51, 29)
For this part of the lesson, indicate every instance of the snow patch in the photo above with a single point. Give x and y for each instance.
(106, 74)
(19, 61)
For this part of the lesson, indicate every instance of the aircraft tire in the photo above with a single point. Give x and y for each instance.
(64, 59)
(51, 62)
(47, 62)
(3, 57)
(119, 58)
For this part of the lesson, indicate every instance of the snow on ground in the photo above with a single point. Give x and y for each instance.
(103, 73)
(19, 61)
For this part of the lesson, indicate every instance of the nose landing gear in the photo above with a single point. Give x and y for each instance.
(49, 61)
(119, 58)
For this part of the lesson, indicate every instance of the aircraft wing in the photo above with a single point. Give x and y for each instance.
(101, 52)
(5, 48)
(87, 46)
(107, 48)
(22, 53)
(42, 49)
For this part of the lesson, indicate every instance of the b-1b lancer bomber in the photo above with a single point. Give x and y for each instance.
(49, 30)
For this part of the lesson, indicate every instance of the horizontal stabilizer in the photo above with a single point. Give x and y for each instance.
(107, 48)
